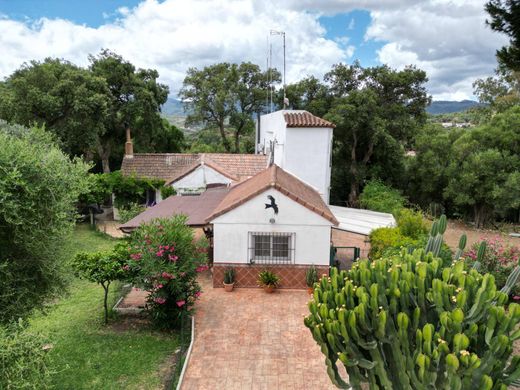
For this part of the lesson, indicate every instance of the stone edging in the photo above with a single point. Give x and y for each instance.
(188, 354)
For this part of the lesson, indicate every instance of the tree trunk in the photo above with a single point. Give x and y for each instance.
(225, 140)
(104, 155)
(354, 183)
(105, 300)
(480, 216)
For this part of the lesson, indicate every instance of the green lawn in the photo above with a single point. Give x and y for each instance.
(88, 355)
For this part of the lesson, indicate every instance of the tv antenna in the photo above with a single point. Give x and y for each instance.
(282, 34)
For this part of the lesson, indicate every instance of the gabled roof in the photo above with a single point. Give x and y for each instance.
(172, 166)
(274, 177)
(196, 208)
(305, 119)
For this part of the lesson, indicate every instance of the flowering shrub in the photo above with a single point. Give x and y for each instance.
(166, 260)
(499, 260)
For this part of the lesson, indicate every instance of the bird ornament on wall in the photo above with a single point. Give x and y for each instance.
(272, 204)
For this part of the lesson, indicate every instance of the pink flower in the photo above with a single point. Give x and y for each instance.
(202, 268)
(160, 301)
(136, 256)
(126, 267)
(516, 298)
(166, 275)
(181, 303)
(160, 253)
(172, 258)
(158, 286)
(198, 294)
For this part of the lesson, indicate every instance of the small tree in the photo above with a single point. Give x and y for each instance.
(166, 259)
(102, 267)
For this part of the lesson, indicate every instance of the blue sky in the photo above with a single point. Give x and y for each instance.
(449, 40)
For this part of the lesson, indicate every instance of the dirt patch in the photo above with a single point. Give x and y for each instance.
(456, 229)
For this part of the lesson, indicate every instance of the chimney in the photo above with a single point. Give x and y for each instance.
(129, 146)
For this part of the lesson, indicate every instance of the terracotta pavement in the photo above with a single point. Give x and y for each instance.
(248, 339)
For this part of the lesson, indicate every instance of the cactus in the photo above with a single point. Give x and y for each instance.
(406, 321)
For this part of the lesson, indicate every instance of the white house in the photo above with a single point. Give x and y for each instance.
(299, 143)
(288, 237)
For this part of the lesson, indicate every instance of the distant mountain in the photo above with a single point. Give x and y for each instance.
(446, 106)
(173, 107)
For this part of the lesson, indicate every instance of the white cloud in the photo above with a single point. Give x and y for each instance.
(176, 34)
(449, 40)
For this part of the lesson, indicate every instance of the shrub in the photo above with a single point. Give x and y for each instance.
(103, 268)
(130, 211)
(377, 196)
(499, 260)
(166, 259)
(167, 191)
(406, 322)
(384, 238)
(411, 223)
(39, 187)
(23, 359)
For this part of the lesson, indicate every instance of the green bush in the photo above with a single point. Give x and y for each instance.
(130, 211)
(166, 259)
(23, 359)
(411, 223)
(39, 188)
(377, 196)
(407, 322)
(167, 191)
(389, 237)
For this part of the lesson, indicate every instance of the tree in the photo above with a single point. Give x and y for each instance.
(226, 97)
(135, 99)
(505, 18)
(307, 94)
(39, 187)
(373, 108)
(102, 268)
(69, 101)
(484, 170)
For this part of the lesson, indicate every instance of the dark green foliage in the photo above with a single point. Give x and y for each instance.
(24, 359)
(377, 196)
(311, 276)
(165, 261)
(103, 268)
(167, 191)
(39, 187)
(505, 18)
(268, 278)
(130, 211)
(229, 275)
(225, 97)
(406, 321)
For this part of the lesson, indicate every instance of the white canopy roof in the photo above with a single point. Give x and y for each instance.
(361, 221)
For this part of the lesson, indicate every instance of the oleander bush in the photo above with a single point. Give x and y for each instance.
(408, 322)
(165, 259)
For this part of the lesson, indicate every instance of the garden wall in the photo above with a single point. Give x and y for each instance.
(344, 238)
(291, 276)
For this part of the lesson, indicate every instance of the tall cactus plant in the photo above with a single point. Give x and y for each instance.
(407, 322)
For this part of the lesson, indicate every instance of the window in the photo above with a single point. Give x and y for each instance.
(271, 248)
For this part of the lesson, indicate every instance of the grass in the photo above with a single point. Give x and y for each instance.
(88, 355)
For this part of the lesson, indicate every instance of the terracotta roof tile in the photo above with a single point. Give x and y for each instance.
(305, 119)
(287, 184)
(172, 166)
(196, 208)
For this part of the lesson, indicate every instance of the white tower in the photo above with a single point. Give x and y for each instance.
(302, 145)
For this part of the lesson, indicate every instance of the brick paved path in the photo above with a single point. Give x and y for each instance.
(248, 339)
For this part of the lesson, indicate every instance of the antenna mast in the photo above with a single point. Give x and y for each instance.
(282, 33)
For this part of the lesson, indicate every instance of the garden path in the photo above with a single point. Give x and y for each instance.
(248, 339)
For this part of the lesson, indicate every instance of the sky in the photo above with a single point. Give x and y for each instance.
(446, 38)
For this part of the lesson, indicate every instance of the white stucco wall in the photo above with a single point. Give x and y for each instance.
(231, 230)
(200, 178)
(303, 151)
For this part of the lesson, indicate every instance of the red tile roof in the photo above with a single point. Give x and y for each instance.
(274, 177)
(305, 119)
(196, 208)
(172, 166)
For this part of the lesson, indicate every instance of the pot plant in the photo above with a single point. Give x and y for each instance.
(268, 280)
(311, 277)
(229, 279)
